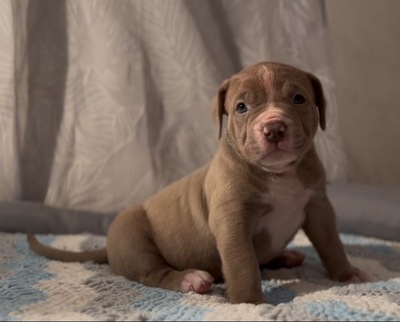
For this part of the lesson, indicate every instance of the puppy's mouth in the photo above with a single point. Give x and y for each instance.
(279, 149)
(272, 157)
(274, 143)
(277, 159)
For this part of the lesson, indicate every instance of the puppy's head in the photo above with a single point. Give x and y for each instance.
(273, 114)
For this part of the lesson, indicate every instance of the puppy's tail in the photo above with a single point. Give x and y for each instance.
(98, 256)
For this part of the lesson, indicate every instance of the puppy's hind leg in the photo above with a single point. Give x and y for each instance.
(133, 254)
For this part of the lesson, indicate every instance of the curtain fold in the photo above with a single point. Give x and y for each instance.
(103, 102)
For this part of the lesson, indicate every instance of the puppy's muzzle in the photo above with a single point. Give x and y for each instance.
(275, 131)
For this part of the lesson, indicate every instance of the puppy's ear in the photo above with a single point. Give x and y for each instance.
(319, 99)
(218, 106)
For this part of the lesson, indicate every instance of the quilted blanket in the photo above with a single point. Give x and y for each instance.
(34, 288)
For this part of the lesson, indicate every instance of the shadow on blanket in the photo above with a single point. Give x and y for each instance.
(381, 261)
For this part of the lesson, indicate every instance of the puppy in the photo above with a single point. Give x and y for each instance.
(240, 210)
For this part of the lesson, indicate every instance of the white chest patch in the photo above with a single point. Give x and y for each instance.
(287, 197)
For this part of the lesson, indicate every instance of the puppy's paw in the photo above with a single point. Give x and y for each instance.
(248, 295)
(358, 276)
(355, 275)
(196, 281)
(256, 300)
(288, 259)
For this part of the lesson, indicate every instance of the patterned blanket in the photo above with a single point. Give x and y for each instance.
(34, 288)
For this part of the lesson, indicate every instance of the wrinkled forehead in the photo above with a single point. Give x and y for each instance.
(269, 79)
(277, 76)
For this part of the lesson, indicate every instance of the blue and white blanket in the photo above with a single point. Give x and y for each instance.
(34, 288)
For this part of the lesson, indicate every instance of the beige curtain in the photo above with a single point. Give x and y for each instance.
(102, 102)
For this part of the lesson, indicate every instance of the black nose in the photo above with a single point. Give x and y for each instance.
(274, 131)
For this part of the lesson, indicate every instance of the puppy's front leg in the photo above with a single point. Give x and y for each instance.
(239, 262)
(320, 227)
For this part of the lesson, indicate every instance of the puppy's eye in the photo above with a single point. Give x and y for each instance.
(299, 99)
(241, 108)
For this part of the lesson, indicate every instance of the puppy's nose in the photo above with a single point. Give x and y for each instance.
(274, 131)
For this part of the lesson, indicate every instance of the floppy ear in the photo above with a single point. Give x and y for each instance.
(319, 99)
(218, 106)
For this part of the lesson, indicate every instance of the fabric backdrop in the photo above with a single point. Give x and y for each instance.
(102, 102)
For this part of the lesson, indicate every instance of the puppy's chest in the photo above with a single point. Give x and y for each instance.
(284, 214)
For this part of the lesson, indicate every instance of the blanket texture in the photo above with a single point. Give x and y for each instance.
(34, 288)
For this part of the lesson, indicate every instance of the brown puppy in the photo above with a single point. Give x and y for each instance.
(240, 210)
